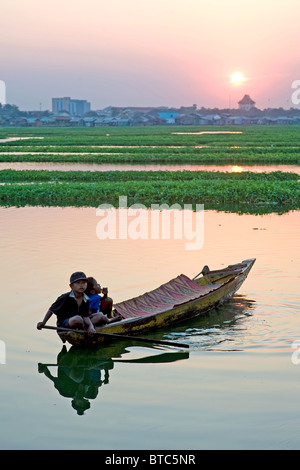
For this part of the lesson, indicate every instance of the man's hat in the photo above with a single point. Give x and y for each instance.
(78, 276)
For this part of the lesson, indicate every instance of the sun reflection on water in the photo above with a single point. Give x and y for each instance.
(237, 169)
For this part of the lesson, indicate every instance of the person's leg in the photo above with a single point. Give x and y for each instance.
(101, 319)
(98, 318)
(76, 322)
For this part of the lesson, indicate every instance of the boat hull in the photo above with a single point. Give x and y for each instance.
(226, 283)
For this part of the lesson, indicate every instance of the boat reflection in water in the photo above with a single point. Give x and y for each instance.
(225, 328)
(81, 372)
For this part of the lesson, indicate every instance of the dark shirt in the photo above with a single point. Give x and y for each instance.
(66, 306)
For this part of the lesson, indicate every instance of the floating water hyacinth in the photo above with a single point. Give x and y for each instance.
(234, 191)
(94, 188)
(156, 144)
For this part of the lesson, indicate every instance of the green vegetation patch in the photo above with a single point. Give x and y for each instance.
(246, 191)
(155, 144)
(101, 176)
(214, 189)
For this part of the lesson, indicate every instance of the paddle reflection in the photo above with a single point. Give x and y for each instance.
(81, 373)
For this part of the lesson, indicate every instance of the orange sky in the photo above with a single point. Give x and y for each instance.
(143, 53)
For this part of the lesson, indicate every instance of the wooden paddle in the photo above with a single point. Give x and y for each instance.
(117, 336)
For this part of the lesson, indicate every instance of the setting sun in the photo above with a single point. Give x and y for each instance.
(237, 78)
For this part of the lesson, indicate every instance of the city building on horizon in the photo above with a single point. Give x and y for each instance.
(71, 106)
(246, 103)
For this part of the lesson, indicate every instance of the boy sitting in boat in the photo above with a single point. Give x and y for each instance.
(98, 303)
(72, 308)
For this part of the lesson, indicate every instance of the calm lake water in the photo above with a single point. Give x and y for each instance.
(146, 167)
(237, 387)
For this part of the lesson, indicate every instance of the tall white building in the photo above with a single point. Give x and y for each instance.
(73, 107)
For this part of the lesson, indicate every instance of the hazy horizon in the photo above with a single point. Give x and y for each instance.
(158, 53)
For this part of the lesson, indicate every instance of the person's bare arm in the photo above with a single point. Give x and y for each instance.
(46, 318)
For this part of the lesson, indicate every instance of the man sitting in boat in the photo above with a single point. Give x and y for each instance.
(98, 303)
(72, 308)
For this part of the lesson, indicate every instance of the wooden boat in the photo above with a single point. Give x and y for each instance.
(178, 300)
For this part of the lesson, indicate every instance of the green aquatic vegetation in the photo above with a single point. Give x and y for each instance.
(99, 176)
(196, 191)
(246, 191)
(252, 144)
(152, 156)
